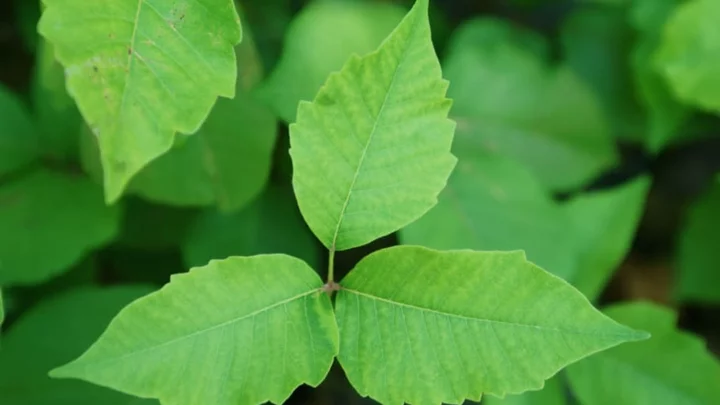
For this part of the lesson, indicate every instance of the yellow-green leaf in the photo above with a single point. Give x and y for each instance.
(241, 331)
(142, 71)
(372, 152)
(422, 326)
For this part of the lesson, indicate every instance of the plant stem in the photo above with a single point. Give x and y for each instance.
(331, 266)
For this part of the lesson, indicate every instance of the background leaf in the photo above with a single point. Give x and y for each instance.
(58, 118)
(271, 224)
(553, 393)
(49, 221)
(687, 56)
(221, 331)
(424, 326)
(320, 40)
(140, 72)
(18, 139)
(493, 203)
(508, 101)
(372, 152)
(672, 367)
(698, 255)
(596, 44)
(54, 332)
(665, 114)
(604, 223)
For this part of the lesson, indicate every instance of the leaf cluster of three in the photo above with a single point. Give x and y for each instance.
(410, 324)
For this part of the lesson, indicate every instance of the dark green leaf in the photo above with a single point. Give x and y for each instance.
(672, 368)
(698, 253)
(271, 224)
(18, 140)
(49, 221)
(507, 100)
(52, 333)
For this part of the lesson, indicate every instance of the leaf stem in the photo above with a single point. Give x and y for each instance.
(331, 266)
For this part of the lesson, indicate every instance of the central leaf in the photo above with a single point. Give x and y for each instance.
(372, 152)
(142, 70)
(425, 327)
(241, 331)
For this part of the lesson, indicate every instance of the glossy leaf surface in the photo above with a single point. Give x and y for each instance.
(142, 71)
(372, 152)
(425, 326)
(218, 335)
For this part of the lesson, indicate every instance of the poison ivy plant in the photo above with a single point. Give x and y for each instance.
(493, 203)
(688, 54)
(393, 306)
(509, 101)
(698, 256)
(319, 41)
(141, 72)
(54, 332)
(654, 372)
(370, 154)
(226, 163)
(36, 211)
(270, 224)
(18, 139)
(665, 114)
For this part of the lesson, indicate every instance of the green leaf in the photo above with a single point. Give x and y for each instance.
(672, 368)
(154, 227)
(424, 326)
(18, 140)
(508, 101)
(553, 393)
(596, 43)
(50, 220)
(319, 41)
(226, 163)
(372, 152)
(664, 113)
(493, 203)
(142, 71)
(241, 331)
(604, 225)
(271, 224)
(688, 53)
(58, 118)
(698, 255)
(51, 333)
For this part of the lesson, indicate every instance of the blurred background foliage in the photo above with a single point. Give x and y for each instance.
(587, 132)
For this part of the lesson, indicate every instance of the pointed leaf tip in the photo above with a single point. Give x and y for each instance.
(372, 151)
(467, 323)
(213, 336)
